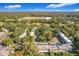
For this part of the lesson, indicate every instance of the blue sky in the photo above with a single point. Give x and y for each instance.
(39, 7)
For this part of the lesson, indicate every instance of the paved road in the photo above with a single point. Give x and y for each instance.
(4, 51)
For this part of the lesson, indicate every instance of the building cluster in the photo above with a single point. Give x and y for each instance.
(65, 46)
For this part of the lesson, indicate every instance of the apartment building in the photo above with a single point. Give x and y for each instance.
(64, 39)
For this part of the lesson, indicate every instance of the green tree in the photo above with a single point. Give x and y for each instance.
(7, 41)
(48, 35)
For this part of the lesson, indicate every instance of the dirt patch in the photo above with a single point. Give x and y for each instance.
(54, 40)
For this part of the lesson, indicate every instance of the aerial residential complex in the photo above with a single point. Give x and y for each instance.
(39, 29)
(60, 43)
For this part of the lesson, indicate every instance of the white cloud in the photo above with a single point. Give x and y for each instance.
(12, 6)
(59, 5)
(76, 10)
